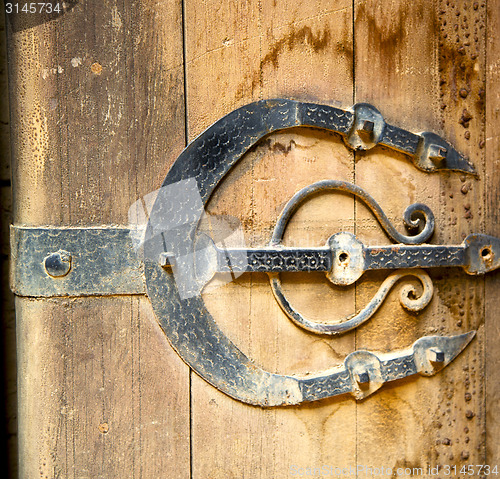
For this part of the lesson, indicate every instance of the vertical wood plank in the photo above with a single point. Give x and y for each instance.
(98, 114)
(422, 57)
(395, 71)
(461, 51)
(102, 393)
(236, 53)
(8, 360)
(492, 175)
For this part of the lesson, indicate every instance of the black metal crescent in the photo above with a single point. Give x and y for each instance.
(187, 323)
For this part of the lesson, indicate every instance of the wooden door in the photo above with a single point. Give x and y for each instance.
(105, 96)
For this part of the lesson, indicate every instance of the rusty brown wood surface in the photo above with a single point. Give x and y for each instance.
(406, 414)
(492, 220)
(104, 98)
(8, 441)
(436, 72)
(270, 51)
(98, 113)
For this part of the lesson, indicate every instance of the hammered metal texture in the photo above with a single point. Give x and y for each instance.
(186, 322)
(103, 262)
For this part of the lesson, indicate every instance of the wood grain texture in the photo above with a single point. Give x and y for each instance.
(492, 219)
(95, 401)
(300, 50)
(88, 89)
(103, 99)
(98, 114)
(462, 72)
(391, 72)
(421, 69)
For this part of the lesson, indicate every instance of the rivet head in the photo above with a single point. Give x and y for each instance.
(437, 153)
(436, 355)
(362, 377)
(367, 125)
(365, 130)
(57, 264)
(167, 260)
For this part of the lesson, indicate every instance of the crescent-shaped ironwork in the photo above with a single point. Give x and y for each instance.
(186, 321)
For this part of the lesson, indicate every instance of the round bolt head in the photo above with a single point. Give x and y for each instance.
(57, 264)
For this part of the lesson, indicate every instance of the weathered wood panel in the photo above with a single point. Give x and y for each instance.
(461, 57)
(235, 55)
(103, 99)
(98, 115)
(421, 70)
(396, 65)
(492, 220)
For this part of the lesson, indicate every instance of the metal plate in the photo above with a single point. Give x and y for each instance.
(186, 321)
(99, 261)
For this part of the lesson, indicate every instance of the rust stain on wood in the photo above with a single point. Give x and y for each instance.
(303, 37)
(386, 26)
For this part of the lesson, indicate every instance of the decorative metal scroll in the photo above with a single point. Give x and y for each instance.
(177, 262)
(191, 329)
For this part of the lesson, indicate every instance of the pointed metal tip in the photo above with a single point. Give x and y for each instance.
(456, 161)
(450, 346)
(466, 166)
(460, 342)
(469, 337)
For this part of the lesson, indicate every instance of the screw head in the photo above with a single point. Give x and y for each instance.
(58, 264)
(362, 377)
(436, 355)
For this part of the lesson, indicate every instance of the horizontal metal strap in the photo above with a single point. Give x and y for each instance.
(74, 262)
